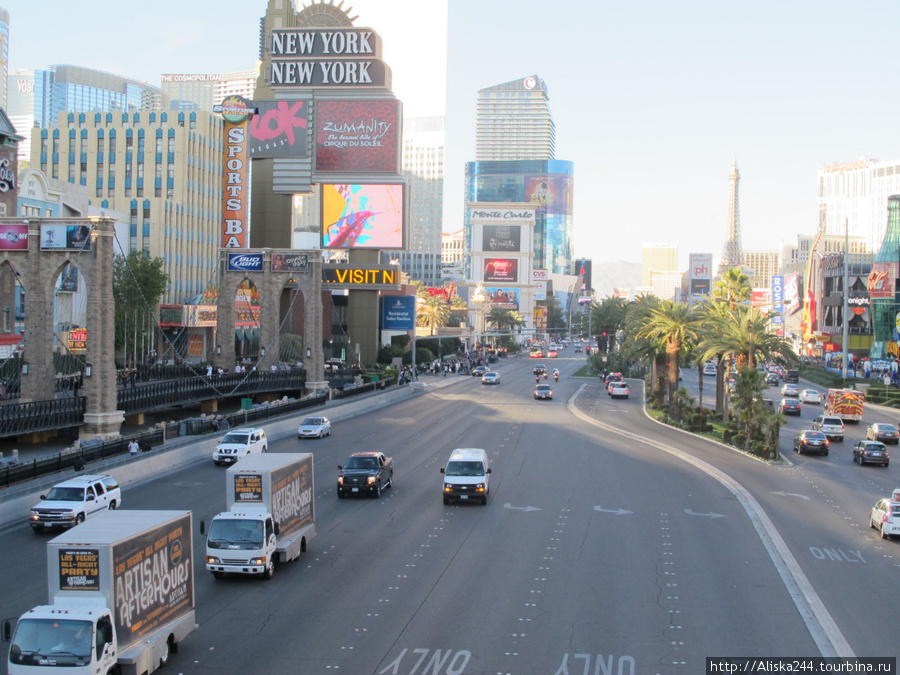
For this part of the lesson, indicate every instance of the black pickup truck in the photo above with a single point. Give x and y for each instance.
(365, 473)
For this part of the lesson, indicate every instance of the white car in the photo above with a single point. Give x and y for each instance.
(885, 516)
(314, 427)
(810, 396)
(240, 443)
(790, 391)
(709, 369)
(618, 389)
(72, 501)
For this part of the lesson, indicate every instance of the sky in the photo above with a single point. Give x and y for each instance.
(653, 100)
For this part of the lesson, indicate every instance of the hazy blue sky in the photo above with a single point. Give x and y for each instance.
(652, 99)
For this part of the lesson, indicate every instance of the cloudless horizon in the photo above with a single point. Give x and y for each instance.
(652, 100)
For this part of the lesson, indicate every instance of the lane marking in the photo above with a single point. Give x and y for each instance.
(821, 625)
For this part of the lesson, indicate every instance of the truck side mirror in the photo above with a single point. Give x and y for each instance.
(442, 469)
(43, 496)
(202, 527)
(340, 468)
(488, 471)
(276, 528)
(7, 630)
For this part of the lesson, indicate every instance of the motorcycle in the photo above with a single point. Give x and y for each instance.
(556, 377)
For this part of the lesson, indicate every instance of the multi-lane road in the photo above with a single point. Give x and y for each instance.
(598, 552)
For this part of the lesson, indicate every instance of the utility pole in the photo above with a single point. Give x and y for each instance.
(846, 306)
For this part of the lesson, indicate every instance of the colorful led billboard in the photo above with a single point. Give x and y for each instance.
(501, 269)
(362, 216)
(357, 135)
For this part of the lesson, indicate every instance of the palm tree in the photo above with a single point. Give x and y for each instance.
(743, 335)
(732, 289)
(671, 324)
(432, 312)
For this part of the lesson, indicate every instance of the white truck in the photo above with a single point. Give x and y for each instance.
(121, 589)
(270, 516)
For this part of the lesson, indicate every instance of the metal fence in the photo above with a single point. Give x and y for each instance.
(92, 451)
(23, 418)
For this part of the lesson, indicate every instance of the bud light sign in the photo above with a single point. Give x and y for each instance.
(778, 300)
(245, 262)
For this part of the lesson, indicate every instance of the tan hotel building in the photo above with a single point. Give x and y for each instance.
(163, 168)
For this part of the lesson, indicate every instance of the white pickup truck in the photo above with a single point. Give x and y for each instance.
(72, 501)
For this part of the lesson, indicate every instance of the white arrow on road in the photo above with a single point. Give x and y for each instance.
(705, 515)
(618, 512)
(789, 494)
(507, 505)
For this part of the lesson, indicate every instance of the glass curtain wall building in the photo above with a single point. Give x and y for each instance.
(36, 97)
(548, 184)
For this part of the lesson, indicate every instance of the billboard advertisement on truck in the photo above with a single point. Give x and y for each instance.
(146, 576)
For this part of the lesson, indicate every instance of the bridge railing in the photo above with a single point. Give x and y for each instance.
(95, 450)
(156, 395)
(23, 418)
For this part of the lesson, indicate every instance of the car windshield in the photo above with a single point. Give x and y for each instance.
(872, 447)
(312, 422)
(66, 494)
(815, 435)
(361, 463)
(460, 468)
(237, 439)
(543, 387)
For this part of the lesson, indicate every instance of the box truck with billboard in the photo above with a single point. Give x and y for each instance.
(270, 516)
(121, 589)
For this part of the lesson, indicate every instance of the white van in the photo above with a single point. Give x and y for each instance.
(467, 475)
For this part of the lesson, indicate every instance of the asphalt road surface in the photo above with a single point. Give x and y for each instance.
(597, 552)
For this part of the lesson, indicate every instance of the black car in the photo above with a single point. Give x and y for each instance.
(478, 371)
(789, 406)
(539, 370)
(772, 380)
(811, 441)
(871, 452)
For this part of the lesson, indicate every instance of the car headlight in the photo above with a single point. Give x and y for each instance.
(371, 479)
(479, 487)
(340, 480)
(258, 561)
(212, 560)
(35, 515)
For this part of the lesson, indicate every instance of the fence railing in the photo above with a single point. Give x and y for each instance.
(91, 451)
(23, 418)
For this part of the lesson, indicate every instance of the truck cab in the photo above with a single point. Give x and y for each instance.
(243, 542)
(79, 637)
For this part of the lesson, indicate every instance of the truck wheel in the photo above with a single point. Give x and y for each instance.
(112, 506)
(79, 518)
(164, 657)
(37, 528)
(218, 575)
(340, 494)
(446, 501)
(390, 482)
(377, 494)
(269, 571)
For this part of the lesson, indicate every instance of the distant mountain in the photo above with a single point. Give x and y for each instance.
(610, 275)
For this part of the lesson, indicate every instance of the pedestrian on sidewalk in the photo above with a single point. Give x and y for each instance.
(133, 448)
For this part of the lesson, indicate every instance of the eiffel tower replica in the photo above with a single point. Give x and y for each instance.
(731, 253)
